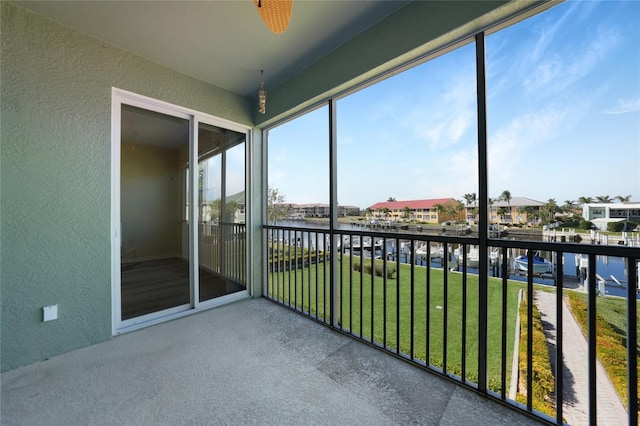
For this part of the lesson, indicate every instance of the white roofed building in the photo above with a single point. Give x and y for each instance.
(601, 214)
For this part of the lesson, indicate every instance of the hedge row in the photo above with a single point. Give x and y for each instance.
(542, 378)
(379, 267)
(610, 346)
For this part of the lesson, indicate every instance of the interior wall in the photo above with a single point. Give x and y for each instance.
(55, 174)
(151, 200)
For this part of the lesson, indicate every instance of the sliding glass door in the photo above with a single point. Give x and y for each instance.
(221, 212)
(175, 249)
(155, 272)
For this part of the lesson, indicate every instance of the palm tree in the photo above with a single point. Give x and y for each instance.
(490, 202)
(603, 199)
(585, 200)
(406, 212)
(502, 211)
(551, 207)
(459, 209)
(568, 206)
(529, 213)
(391, 199)
(451, 209)
(470, 198)
(533, 213)
(440, 209)
(506, 196)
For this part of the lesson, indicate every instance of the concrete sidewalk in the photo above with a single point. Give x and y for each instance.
(610, 410)
(251, 362)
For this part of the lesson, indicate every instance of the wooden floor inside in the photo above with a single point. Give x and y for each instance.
(155, 285)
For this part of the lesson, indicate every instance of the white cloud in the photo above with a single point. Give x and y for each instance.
(511, 149)
(442, 122)
(563, 68)
(624, 106)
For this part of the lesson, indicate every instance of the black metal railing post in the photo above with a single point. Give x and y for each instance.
(592, 339)
(464, 256)
(530, 332)
(632, 339)
(559, 279)
(445, 305)
(333, 210)
(483, 271)
(503, 346)
(412, 301)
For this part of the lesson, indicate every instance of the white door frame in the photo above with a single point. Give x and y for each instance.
(118, 98)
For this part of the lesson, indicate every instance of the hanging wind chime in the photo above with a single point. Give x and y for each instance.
(262, 95)
(276, 14)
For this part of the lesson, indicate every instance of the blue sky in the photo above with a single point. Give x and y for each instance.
(563, 119)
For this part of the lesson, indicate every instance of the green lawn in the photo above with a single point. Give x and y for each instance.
(299, 288)
(614, 311)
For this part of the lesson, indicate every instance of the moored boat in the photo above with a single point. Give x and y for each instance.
(471, 257)
(540, 264)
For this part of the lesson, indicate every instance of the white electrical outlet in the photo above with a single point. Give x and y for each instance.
(50, 313)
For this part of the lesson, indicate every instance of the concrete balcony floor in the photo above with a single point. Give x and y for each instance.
(251, 362)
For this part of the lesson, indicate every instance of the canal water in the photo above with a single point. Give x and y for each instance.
(607, 267)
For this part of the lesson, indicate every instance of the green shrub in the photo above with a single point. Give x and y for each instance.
(572, 223)
(610, 345)
(379, 267)
(619, 226)
(615, 226)
(585, 224)
(542, 380)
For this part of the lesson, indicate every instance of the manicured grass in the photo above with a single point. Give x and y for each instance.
(611, 336)
(389, 301)
(367, 303)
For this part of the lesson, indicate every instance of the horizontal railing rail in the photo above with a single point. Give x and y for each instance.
(417, 296)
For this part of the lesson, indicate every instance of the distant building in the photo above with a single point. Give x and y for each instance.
(301, 211)
(209, 210)
(519, 210)
(239, 214)
(601, 214)
(419, 210)
(348, 211)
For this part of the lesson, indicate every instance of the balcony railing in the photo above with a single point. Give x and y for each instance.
(222, 248)
(463, 310)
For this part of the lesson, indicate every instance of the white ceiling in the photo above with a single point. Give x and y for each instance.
(225, 43)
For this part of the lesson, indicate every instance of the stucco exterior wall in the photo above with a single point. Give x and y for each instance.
(55, 176)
